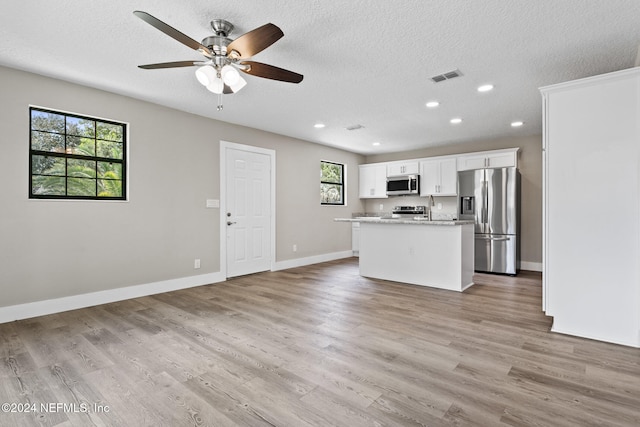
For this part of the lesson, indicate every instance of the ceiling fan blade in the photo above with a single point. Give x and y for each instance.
(173, 33)
(175, 64)
(254, 41)
(270, 72)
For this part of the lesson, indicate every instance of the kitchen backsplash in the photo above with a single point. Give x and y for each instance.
(444, 208)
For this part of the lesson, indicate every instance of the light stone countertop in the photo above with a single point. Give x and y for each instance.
(377, 220)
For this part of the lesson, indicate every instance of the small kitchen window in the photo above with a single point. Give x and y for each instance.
(331, 183)
(76, 157)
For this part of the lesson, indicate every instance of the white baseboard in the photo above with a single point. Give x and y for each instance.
(58, 305)
(531, 266)
(301, 262)
(626, 341)
(74, 302)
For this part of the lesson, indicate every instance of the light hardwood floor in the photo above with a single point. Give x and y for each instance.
(317, 345)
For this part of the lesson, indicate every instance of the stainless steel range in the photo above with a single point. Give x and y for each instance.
(409, 212)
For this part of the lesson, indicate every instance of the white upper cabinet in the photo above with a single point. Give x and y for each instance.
(488, 159)
(402, 168)
(438, 177)
(373, 181)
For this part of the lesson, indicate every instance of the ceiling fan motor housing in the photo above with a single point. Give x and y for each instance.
(217, 44)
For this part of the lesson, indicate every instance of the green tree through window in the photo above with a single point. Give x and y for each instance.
(331, 183)
(76, 157)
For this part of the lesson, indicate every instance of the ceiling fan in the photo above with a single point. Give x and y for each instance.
(224, 56)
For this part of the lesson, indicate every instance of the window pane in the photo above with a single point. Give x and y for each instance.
(46, 165)
(109, 188)
(81, 146)
(75, 156)
(44, 141)
(109, 132)
(81, 127)
(41, 120)
(47, 185)
(330, 172)
(81, 168)
(81, 187)
(331, 193)
(109, 149)
(109, 170)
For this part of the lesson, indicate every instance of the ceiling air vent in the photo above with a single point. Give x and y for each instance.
(355, 127)
(446, 76)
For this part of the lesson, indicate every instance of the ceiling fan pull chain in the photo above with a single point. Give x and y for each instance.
(220, 106)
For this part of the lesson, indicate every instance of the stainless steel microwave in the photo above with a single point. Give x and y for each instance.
(403, 185)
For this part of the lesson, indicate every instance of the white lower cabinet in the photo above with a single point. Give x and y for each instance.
(355, 238)
(439, 177)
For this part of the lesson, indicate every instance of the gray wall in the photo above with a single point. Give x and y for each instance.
(530, 165)
(51, 249)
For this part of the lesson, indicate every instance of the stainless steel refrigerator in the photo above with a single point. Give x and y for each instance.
(491, 198)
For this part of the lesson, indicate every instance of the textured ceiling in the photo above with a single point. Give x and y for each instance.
(364, 62)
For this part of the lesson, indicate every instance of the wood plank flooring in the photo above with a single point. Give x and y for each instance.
(316, 346)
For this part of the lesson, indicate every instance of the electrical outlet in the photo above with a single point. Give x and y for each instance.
(295, 248)
(439, 206)
(196, 263)
(381, 206)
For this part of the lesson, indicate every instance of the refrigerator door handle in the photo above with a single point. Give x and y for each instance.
(485, 209)
(494, 239)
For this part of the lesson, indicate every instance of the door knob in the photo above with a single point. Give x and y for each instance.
(230, 222)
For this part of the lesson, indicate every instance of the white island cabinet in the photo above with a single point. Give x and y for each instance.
(438, 254)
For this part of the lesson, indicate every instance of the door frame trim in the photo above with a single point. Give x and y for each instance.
(223, 199)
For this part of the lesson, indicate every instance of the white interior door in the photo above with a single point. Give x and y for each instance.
(248, 212)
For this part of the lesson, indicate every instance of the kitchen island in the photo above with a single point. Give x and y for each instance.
(438, 254)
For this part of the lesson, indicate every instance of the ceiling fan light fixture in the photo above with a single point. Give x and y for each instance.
(216, 86)
(230, 75)
(206, 75)
(238, 85)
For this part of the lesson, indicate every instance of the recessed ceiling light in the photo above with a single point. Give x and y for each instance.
(432, 104)
(319, 125)
(516, 124)
(455, 121)
(375, 144)
(485, 88)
